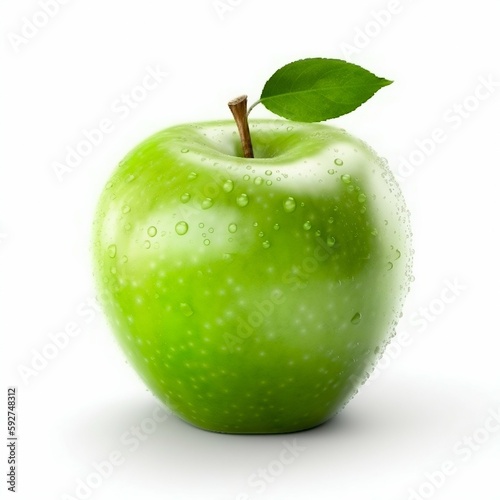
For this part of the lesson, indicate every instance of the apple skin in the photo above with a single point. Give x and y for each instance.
(252, 295)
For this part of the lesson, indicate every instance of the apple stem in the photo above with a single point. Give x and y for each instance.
(238, 107)
(253, 106)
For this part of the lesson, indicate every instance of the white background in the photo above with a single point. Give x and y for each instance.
(429, 394)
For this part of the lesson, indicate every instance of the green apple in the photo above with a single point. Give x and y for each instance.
(253, 295)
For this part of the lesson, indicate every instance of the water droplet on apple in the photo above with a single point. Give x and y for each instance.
(261, 234)
(276, 227)
(181, 228)
(184, 150)
(201, 225)
(186, 309)
(356, 318)
(266, 244)
(147, 244)
(258, 181)
(206, 242)
(330, 241)
(112, 251)
(307, 225)
(331, 220)
(269, 183)
(124, 259)
(289, 128)
(129, 178)
(290, 205)
(398, 254)
(192, 176)
(127, 227)
(242, 200)
(338, 162)
(210, 229)
(152, 231)
(125, 209)
(318, 232)
(346, 178)
(207, 203)
(390, 265)
(185, 197)
(227, 257)
(228, 186)
(112, 269)
(246, 177)
(268, 172)
(331, 171)
(109, 185)
(362, 198)
(232, 228)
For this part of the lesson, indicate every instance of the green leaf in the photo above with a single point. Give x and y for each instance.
(317, 89)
